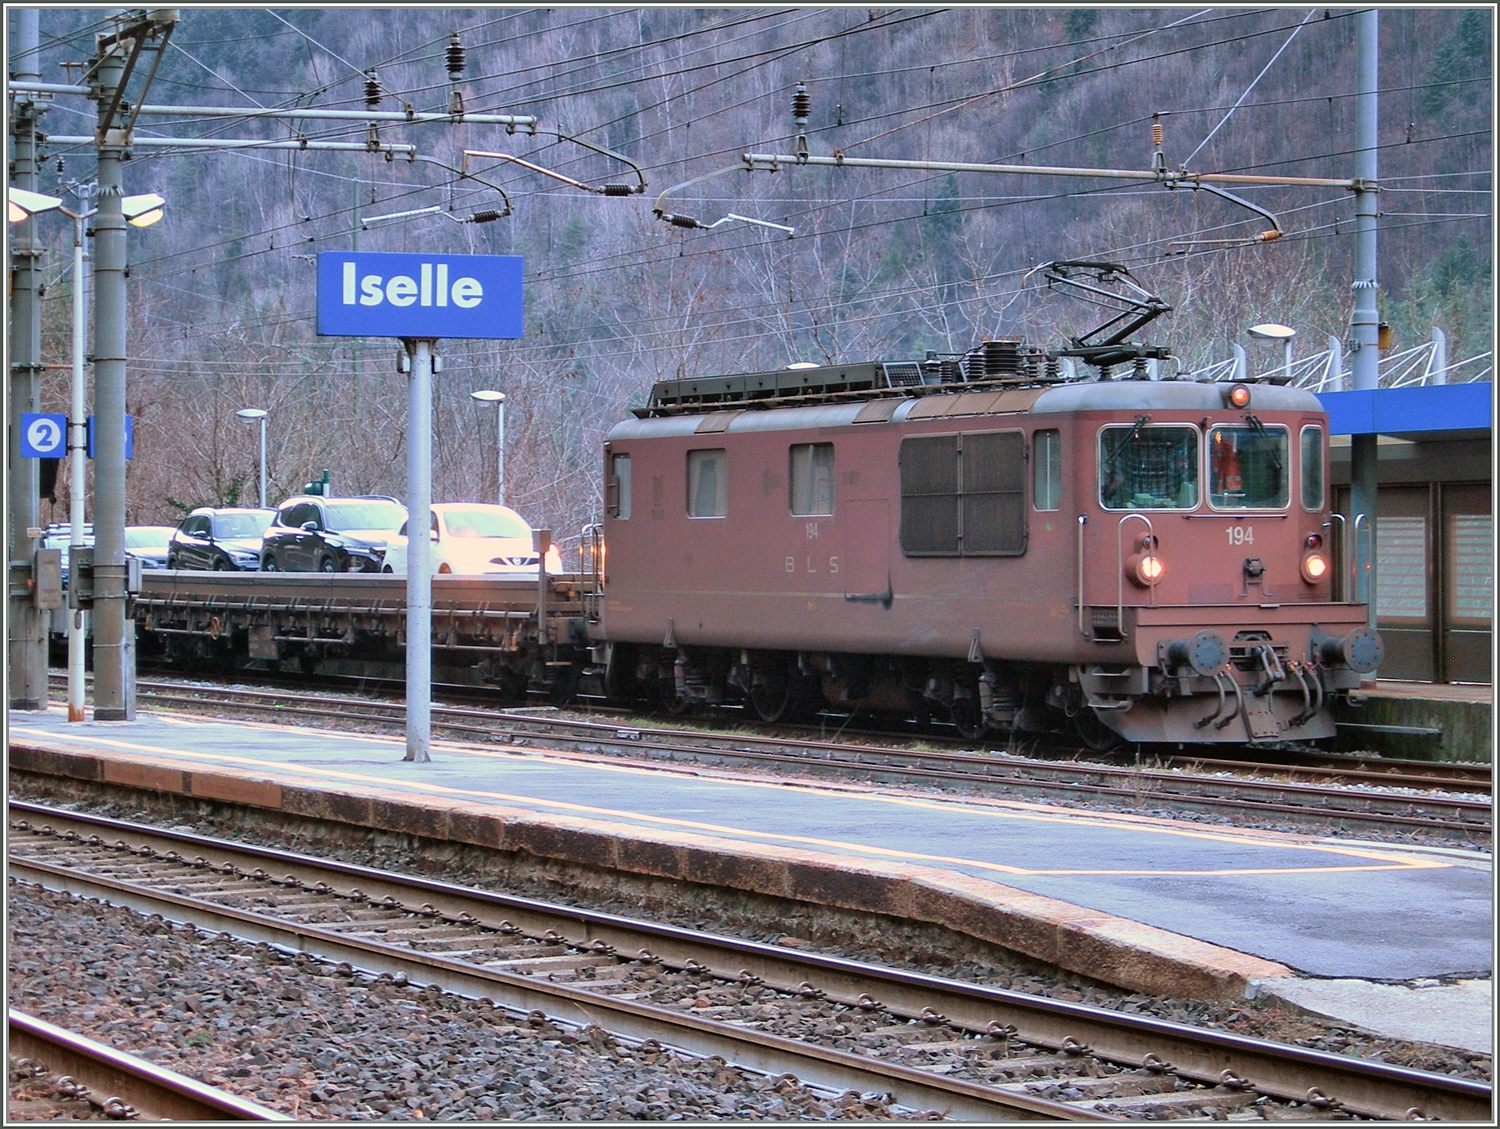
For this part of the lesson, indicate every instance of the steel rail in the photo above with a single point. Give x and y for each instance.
(151, 1092)
(1288, 1072)
(821, 1067)
(1130, 784)
(1457, 776)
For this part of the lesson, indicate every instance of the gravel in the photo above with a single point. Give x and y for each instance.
(293, 1034)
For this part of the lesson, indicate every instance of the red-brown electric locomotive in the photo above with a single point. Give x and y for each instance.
(977, 539)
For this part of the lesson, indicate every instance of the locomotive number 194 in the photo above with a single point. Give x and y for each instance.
(1241, 534)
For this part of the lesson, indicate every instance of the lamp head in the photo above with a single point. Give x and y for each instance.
(1270, 331)
(21, 204)
(143, 210)
(251, 413)
(488, 396)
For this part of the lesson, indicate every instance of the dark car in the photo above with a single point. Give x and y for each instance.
(226, 540)
(149, 544)
(312, 534)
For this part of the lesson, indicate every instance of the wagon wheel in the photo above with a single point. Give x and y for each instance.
(564, 687)
(510, 684)
(1094, 733)
(967, 718)
(770, 691)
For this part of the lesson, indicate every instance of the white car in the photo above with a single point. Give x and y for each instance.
(471, 538)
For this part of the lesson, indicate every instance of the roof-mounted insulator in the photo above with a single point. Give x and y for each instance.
(454, 56)
(616, 189)
(372, 90)
(801, 110)
(455, 59)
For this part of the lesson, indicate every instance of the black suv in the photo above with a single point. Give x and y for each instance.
(311, 534)
(226, 540)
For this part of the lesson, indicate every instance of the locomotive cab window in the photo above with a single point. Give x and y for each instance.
(1312, 468)
(811, 479)
(619, 487)
(708, 483)
(1248, 466)
(1046, 470)
(1148, 468)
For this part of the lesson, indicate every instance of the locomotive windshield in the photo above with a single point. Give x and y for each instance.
(1148, 468)
(1247, 467)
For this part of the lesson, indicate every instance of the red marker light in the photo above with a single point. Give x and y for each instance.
(1239, 396)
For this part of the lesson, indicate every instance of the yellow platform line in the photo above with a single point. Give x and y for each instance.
(1385, 862)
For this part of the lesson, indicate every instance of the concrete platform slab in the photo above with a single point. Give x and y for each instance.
(1460, 1014)
(1150, 904)
(1418, 720)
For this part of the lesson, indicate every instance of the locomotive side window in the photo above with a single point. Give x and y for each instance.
(708, 483)
(1046, 470)
(1148, 468)
(1312, 468)
(811, 478)
(963, 495)
(1248, 467)
(619, 487)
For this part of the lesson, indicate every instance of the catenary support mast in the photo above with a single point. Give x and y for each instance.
(28, 625)
(1364, 343)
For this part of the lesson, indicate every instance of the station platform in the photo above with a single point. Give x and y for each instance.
(1419, 720)
(1362, 933)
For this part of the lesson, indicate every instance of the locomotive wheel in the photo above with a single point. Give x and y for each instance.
(967, 719)
(666, 696)
(770, 692)
(1094, 733)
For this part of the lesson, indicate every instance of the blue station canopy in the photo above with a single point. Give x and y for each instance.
(1417, 410)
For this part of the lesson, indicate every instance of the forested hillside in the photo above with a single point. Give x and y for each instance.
(882, 264)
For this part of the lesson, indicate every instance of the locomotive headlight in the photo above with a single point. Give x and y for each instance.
(1145, 569)
(1239, 396)
(1314, 567)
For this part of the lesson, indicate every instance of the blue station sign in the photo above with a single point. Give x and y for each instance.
(379, 294)
(44, 435)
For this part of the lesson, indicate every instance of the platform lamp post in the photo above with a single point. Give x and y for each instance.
(258, 414)
(490, 396)
(1270, 331)
(139, 211)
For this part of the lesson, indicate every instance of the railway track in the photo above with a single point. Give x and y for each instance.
(1409, 799)
(971, 1051)
(117, 1086)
